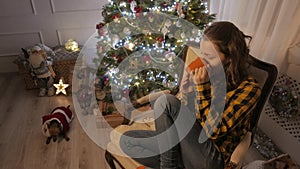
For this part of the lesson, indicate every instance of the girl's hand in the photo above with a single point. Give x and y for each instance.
(187, 82)
(201, 75)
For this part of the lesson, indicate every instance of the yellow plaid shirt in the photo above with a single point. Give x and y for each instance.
(228, 130)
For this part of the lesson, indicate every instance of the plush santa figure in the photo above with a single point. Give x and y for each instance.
(61, 114)
(40, 67)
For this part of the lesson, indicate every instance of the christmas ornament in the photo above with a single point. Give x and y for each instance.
(145, 32)
(138, 9)
(134, 62)
(133, 5)
(166, 26)
(178, 24)
(123, 76)
(127, 31)
(150, 18)
(99, 48)
(116, 18)
(179, 8)
(116, 57)
(114, 71)
(168, 23)
(123, 4)
(114, 40)
(170, 56)
(100, 25)
(195, 32)
(182, 35)
(147, 59)
(165, 30)
(105, 80)
(170, 35)
(164, 4)
(61, 87)
(171, 67)
(130, 46)
(102, 29)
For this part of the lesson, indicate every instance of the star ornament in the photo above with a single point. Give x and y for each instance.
(61, 87)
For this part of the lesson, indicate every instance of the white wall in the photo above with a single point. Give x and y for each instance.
(52, 22)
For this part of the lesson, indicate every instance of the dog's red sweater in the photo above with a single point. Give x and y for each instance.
(62, 114)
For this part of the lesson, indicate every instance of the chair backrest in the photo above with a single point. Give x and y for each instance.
(266, 75)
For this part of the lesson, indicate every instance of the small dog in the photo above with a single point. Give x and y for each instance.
(56, 124)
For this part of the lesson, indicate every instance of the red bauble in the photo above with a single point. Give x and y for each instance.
(147, 59)
(99, 26)
(138, 9)
(164, 4)
(116, 57)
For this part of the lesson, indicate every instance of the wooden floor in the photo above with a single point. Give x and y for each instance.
(22, 145)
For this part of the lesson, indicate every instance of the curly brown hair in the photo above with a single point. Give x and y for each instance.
(232, 43)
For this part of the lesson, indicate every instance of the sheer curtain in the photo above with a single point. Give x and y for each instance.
(273, 24)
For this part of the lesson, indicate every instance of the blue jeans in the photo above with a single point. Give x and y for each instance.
(174, 144)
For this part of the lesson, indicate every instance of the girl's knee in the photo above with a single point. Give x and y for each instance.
(167, 99)
(167, 104)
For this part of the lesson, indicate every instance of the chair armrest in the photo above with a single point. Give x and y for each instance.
(241, 150)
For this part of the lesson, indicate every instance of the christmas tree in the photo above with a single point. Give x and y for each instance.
(141, 43)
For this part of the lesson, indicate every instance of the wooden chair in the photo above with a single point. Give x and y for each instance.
(265, 74)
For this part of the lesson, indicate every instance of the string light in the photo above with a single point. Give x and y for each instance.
(149, 42)
(71, 45)
(137, 84)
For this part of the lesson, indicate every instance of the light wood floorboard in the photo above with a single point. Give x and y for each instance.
(22, 144)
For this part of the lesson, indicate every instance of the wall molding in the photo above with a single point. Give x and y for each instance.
(18, 33)
(26, 8)
(9, 55)
(69, 11)
(33, 7)
(52, 6)
(59, 37)
(39, 33)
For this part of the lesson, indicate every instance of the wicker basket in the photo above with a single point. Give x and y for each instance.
(63, 66)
